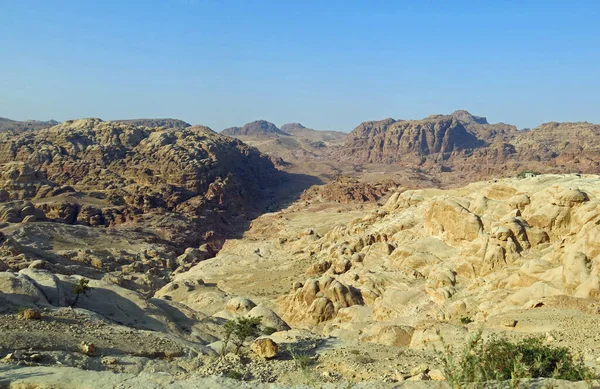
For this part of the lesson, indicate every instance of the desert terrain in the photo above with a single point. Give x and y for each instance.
(130, 250)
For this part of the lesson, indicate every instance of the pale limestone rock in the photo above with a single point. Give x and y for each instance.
(452, 222)
(388, 334)
(576, 270)
(239, 305)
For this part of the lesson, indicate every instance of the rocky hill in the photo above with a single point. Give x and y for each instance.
(153, 193)
(259, 128)
(19, 126)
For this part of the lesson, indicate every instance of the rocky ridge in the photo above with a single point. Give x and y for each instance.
(20, 126)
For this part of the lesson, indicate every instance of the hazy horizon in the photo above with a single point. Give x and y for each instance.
(328, 65)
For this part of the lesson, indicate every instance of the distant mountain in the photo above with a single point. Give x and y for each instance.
(469, 144)
(389, 140)
(297, 129)
(290, 128)
(156, 123)
(259, 128)
(19, 126)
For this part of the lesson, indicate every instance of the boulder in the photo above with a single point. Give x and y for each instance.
(265, 348)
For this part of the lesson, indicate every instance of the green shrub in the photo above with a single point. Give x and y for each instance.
(269, 330)
(239, 330)
(80, 288)
(502, 360)
(466, 320)
(539, 360)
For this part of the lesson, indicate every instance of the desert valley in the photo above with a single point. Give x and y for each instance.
(151, 253)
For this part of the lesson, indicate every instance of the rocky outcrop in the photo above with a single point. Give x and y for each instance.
(347, 190)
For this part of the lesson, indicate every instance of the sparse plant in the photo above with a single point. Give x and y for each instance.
(500, 360)
(300, 356)
(80, 288)
(466, 320)
(239, 330)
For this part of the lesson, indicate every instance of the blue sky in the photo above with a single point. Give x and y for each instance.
(328, 64)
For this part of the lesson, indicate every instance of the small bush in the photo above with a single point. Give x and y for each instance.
(466, 320)
(239, 330)
(80, 288)
(303, 361)
(501, 360)
(301, 356)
